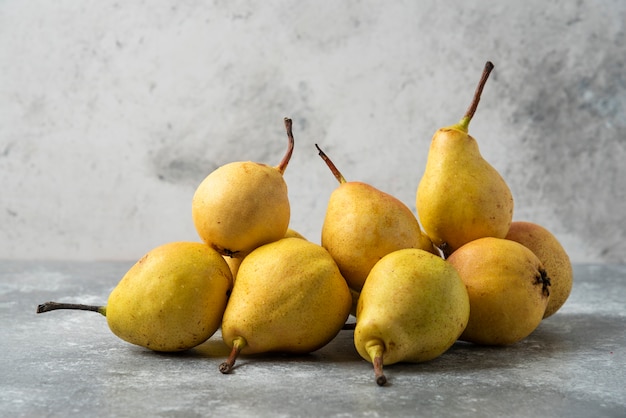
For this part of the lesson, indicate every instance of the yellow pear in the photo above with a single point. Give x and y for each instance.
(362, 224)
(243, 204)
(235, 261)
(172, 299)
(508, 290)
(553, 257)
(412, 308)
(289, 297)
(461, 197)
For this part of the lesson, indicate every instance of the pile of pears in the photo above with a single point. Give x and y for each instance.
(459, 269)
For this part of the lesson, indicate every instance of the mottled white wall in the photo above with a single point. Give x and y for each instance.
(112, 112)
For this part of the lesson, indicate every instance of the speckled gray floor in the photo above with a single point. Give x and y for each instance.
(69, 364)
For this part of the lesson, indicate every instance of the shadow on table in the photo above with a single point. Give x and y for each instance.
(561, 336)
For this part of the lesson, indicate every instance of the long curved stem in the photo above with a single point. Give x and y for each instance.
(282, 166)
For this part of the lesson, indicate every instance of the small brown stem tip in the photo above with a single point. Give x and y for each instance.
(288, 124)
(226, 367)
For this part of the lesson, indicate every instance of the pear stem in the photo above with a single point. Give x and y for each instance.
(380, 377)
(52, 306)
(238, 344)
(331, 165)
(282, 166)
(469, 113)
(375, 350)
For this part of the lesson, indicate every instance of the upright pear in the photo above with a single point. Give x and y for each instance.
(243, 204)
(461, 197)
(172, 299)
(289, 297)
(412, 308)
(363, 224)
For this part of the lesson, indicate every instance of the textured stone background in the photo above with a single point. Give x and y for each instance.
(111, 113)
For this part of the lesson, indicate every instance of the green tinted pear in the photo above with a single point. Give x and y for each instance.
(412, 308)
(172, 299)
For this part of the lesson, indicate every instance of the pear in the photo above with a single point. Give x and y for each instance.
(243, 204)
(553, 257)
(289, 297)
(412, 308)
(508, 290)
(234, 262)
(172, 299)
(363, 224)
(461, 197)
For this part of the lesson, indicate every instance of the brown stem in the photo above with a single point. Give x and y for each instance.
(375, 349)
(282, 166)
(381, 379)
(227, 366)
(469, 114)
(52, 306)
(331, 165)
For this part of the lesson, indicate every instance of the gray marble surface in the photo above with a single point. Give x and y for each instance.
(68, 364)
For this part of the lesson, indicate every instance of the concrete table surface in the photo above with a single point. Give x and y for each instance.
(68, 363)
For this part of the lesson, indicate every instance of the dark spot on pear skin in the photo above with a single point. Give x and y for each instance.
(543, 279)
(225, 251)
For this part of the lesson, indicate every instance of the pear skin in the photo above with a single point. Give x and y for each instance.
(553, 257)
(508, 290)
(412, 308)
(234, 261)
(172, 299)
(233, 264)
(363, 224)
(289, 297)
(243, 204)
(461, 197)
(292, 233)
